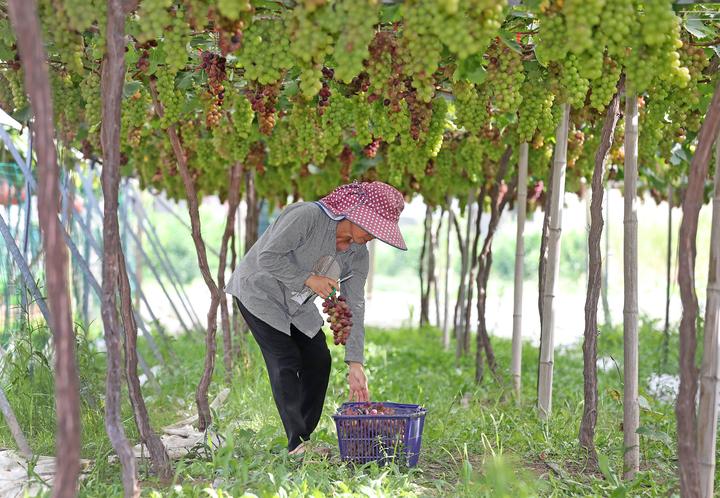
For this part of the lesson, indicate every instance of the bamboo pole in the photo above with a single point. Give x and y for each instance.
(545, 374)
(14, 426)
(516, 361)
(710, 369)
(668, 282)
(631, 408)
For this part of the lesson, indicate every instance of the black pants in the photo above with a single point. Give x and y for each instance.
(299, 370)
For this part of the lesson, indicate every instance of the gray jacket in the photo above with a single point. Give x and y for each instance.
(276, 267)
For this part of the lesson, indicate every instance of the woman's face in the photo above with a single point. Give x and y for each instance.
(349, 233)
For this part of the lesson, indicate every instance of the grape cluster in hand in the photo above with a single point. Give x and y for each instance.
(339, 317)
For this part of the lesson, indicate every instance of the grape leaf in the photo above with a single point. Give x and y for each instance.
(130, 88)
(698, 28)
(470, 69)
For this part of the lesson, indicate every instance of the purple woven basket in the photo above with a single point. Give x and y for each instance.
(381, 438)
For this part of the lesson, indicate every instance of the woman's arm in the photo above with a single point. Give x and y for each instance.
(354, 291)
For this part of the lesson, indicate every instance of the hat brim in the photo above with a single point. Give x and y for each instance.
(377, 226)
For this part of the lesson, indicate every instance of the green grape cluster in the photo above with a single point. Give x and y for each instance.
(311, 40)
(655, 54)
(170, 98)
(67, 105)
(535, 111)
(582, 16)
(62, 39)
(652, 124)
(357, 18)
(134, 117)
(471, 157)
(174, 43)
(17, 88)
(574, 86)
(433, 138)
(471, 106)
(421, 48)
(551, 40)
(234, 9)
(467, 27)
(505, 78)
(387, 125)
(265, 53)
(153, 17)
(82, 13)
(616, 25)
(604, 88)
(90, 90)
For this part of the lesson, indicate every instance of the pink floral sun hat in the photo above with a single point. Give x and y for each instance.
(373, 206)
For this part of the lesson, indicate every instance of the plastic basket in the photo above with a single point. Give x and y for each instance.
(381, 438)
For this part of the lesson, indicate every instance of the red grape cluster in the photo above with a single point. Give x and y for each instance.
(263, 100)
(214, 65)
(371, 149)
(324, 95)
(368, 409)
(339, 317)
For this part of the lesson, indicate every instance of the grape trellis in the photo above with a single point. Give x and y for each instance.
(279, 100)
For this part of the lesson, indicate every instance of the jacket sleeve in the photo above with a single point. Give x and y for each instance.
(354, 291)
(288, 232)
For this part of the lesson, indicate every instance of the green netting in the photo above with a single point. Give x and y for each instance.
(12, 174)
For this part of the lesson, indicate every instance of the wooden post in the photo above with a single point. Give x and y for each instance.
(668, 282)
(631, 408)
(710, 370)
(547, 343)
(516, 361)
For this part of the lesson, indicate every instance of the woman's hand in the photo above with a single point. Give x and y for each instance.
(358, 383)
(322, 286)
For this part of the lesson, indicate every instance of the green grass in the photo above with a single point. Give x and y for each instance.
(477, 440)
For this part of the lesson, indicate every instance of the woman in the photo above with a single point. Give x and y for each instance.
(308, 248)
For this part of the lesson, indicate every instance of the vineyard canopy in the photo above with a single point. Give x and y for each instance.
(424, 94)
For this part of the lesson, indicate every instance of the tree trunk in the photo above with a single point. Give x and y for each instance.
(710, 370)
(459, 318)
(113, 73)
(446, 302)
(589, 418)
(233, 201)
(435, 241)
(542, 264)
(484, 263)
(668, 282)
(631, 408)
(425, 294)
(547, 339)
(692, 202)
(25, 23)
(201, 394)
(516, 361)
(471, 264)
(253, 211)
